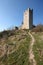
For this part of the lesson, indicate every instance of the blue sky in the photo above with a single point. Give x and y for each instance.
(11, 12)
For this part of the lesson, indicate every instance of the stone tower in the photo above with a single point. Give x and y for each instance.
(27, 19)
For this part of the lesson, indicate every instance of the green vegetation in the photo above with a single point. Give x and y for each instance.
(38, 28)
(17, 42)
(21, 41)
(38, 47)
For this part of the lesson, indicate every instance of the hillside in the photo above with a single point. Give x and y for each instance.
(14, 47)
(38, 47)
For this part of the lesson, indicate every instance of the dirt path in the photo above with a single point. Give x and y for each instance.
(31, 54)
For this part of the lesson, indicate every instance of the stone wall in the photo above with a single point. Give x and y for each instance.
(27, 19)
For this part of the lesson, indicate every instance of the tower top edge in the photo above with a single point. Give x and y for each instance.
(28, 9)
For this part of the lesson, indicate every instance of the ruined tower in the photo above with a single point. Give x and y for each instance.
(27, 19)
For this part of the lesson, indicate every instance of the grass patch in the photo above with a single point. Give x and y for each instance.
(38, 48)
(21, 55)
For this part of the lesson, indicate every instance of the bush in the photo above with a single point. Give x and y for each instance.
(38, 28)
(16, 28)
